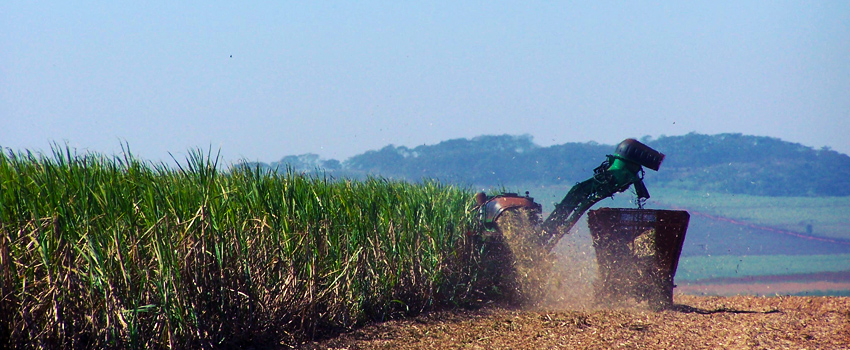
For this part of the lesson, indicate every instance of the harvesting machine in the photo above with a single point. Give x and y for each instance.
(614, 231)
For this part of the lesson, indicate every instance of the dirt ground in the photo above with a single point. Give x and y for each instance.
(694, 322)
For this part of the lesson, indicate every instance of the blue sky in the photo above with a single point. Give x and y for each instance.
(267, 79)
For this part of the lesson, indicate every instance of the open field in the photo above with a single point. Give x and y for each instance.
(828, 216)
(817, 216)
(693, 323)
(818, 285)
(696, 268)
(768, 275)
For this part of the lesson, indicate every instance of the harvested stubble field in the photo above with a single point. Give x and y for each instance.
(740, 322)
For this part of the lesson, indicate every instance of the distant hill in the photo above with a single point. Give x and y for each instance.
(752, 165)
(733, 163)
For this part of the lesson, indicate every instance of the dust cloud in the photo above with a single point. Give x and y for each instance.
(568, 277)
(573, 274)
(561, 279)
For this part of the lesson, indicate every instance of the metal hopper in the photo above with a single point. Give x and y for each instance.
(637, 251)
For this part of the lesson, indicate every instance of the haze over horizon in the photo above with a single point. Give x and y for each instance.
(263, 80)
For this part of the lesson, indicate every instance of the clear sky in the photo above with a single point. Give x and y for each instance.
(267, 79)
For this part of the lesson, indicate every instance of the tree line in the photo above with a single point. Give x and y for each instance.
(733, 163)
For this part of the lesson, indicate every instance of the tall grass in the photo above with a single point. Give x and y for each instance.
(115, 252)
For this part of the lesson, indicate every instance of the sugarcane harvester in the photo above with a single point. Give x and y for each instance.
(616, 174)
